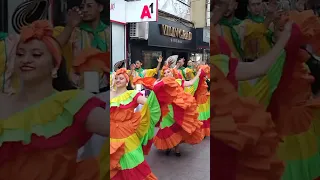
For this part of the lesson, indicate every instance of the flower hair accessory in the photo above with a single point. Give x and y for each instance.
(124, 72)
(43, 31)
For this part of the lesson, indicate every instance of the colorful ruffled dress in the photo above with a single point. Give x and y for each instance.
(42, 141)
(179, 119)
(244, 138)
(294, 111)
(200, 91)
(130, 131)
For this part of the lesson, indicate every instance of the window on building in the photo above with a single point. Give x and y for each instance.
(149, 59)
(208, 13)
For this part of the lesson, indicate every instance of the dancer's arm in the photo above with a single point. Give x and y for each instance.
(141, 100)
(192, 81)
(159, 63)
(252, 70)
(73, 20)
(98, 122)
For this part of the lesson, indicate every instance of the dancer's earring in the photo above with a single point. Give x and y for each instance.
(54, 73)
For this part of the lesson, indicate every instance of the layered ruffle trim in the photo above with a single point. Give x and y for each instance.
(56, 164)
(117, 150)
(309, 25)
(91, 59)
(48, 117)
(131, 134)
(243, 124)
(142, 171)
(125, 98)
(291, 106)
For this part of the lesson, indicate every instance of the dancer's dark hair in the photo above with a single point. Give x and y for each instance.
(129, 87)
(62, 82)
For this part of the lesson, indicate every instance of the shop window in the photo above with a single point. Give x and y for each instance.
(4, 15)
(149, 59)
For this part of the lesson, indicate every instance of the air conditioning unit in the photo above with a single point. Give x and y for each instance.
(139, 30)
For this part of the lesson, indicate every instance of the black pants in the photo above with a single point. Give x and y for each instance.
(102, 90)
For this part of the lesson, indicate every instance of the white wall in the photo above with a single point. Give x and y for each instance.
(176, 8)
(118, 42)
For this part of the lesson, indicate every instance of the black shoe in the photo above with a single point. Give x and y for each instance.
(168, 152)
(178, 154)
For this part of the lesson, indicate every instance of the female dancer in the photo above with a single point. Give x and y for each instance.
(198, 88)
(41, 131)
(243, 134)
(129, 129)
(294, 110)
(173, 128)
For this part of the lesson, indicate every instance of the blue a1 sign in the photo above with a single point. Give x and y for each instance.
(141, 11)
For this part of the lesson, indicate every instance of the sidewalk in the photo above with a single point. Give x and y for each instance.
(194, 163)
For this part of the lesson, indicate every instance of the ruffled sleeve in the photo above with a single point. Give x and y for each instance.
(148, 82)
(91, 59)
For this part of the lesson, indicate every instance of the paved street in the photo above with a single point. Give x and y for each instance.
(194, 163)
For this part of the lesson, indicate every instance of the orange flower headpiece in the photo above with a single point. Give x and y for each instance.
(124, 72)
(92, 59)
(173, 71)
(43, 31)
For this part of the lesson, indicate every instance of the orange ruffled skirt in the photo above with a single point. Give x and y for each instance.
(56, 164)
(243, 126)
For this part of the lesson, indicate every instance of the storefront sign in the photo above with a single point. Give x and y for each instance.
(170, 34)
(166, 30)
(133, 11)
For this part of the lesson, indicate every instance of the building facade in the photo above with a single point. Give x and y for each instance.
(201, 19)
